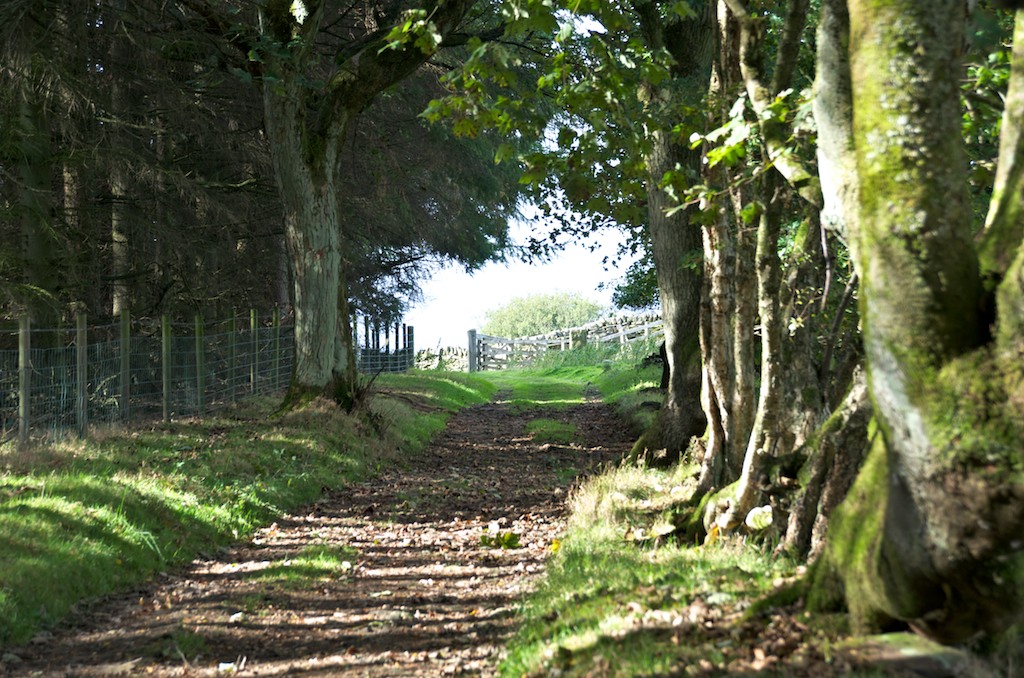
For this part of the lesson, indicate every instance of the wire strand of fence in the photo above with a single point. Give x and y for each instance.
(57, 380)
(54, 381)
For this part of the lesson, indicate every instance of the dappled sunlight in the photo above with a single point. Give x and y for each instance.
(418, 572)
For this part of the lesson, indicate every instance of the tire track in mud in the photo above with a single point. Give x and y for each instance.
(421, 595)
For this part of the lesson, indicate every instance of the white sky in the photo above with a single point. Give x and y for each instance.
(456, 302)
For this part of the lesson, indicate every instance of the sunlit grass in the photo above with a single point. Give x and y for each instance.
(545, 430)
(613, 606)
(82, 518)
(550, 388)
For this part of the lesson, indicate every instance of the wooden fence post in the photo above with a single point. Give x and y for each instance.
(24, 378)
(473, 351)
(232, 357)
(200, 366)
(254, 347)
(126, 362)
(410, 346)
(277, 349)
(81, 373)
(165, 364)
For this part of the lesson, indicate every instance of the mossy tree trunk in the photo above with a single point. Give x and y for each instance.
(931, 532)
(836, 453)
(310, 100)
(675, 239)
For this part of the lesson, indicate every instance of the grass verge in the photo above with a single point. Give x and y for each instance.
(621, 597)
(79, 519)
(618, 600)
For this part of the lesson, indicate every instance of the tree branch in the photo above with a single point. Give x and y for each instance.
(761, 97)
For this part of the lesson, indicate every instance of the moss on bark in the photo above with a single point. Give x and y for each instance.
(846, 574)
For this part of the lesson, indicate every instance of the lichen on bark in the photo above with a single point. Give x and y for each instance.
(931, 533)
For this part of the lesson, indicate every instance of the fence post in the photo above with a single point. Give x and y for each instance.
(126, 362)
(24, 378)
(165, 364)
(81, 373)
(232, 358)
(200, 366)
(277, 348)
(473, 350)
(410, 345)
(254, 347)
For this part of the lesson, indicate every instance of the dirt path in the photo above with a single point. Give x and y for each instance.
(422, 597)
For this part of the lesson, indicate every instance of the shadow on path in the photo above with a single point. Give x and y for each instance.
(421, 595)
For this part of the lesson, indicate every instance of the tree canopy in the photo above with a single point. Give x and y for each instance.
(540, 314)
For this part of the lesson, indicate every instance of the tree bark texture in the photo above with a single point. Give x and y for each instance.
(307, 128)
(764, 438)
(836, 452)
(675, 239)
(789, 406)
(833, 114)
(931, 534)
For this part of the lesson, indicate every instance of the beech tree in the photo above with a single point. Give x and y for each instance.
(931, 532)
(318, 65)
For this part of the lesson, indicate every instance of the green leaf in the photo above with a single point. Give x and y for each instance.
(504, 152)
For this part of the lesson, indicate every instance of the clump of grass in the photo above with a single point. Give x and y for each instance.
(181, 644)
(79, 519)
(633, 391)
(314, 562)
(544, 430)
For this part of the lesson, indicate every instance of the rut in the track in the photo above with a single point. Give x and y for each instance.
(423, 597)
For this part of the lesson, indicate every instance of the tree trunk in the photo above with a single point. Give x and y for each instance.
(307, 125)
(833, 114)
(764, 438)
(39, 247)
(675, 240)
(931, 532)
(717, 311)
(675, 244)
(306, 170)
(836, 452)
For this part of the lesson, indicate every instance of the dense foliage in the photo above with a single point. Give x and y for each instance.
(137, 173)
(539, 314)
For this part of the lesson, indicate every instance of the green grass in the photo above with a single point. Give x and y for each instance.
(79, 519)
(545, 430)
(554, 388)
(634, 392)
(564, 378)
(611, 605)
(418, 403)
(609, 353)
(313, 563)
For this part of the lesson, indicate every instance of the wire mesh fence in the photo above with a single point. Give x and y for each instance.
(54, 381)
